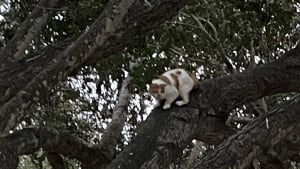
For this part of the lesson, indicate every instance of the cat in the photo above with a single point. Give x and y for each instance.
(172, 84)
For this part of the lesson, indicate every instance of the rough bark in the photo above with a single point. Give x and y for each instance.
(30, 140)
(259, 137)
(118, 25)
(195, 153)
(55, 160)
(283, 152)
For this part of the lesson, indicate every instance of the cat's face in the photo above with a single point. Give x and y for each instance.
(157, 90)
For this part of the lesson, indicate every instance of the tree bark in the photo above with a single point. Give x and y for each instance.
(283, 152)
(55, 160)
(29, 140)
(260, 136)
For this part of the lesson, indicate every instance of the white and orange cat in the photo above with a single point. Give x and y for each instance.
(172, 84)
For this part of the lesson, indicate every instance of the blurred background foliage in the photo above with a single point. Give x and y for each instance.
(209, 38)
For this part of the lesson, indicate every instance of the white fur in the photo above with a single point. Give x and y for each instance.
(186, 84)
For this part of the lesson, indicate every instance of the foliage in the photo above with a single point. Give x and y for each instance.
(209, 38)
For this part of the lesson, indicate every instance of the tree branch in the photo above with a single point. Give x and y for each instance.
(29, 140)
(260, 136)
(223, 94)
(30, 27)
(283, 152)
(112, 134)
(55, 160)
(165, 134)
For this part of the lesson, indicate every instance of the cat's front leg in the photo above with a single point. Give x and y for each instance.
(185, 99)
(166, 106)
(171, 97)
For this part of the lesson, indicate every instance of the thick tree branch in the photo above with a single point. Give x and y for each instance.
(286, 150)
(119, 24)
(164, 135)
(32, 25)
(224, 94)
(55, 160)
(31, 139)
(260, 136)
(289, 148)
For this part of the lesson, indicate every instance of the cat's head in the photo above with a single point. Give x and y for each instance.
(157, 90)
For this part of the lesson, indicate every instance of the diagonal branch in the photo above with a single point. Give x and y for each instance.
(30, 27)
(112, 134)
(258, 137)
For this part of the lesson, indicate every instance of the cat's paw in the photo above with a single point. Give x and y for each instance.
(156, 105)
(166, 106)
(180, 103)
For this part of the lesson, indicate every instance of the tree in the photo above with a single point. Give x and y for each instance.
(59, 40)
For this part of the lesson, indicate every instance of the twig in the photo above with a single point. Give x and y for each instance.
(51, 9)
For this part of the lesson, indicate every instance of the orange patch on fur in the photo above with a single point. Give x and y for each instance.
(178, 72)
(154, 88)
(162, 88)
(175, 77)
(165, 79)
